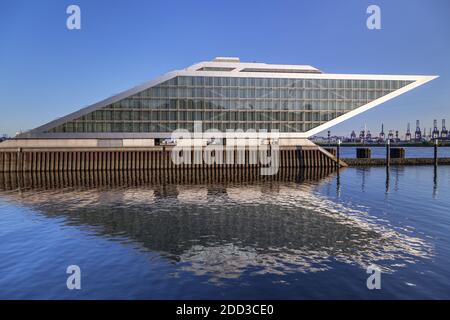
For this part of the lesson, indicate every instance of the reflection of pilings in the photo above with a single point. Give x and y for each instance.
(157, 158)
(338, 184)
(397, 173)
(363, 179)
(387, 179)
(435, 181)
(50, 180)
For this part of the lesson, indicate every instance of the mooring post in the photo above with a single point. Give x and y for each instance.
(338, 153)
(436, 152)
(388, 152)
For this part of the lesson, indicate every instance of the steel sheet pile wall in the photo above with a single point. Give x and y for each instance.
(158, 158)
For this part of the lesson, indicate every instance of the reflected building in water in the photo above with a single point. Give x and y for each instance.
(221, 229)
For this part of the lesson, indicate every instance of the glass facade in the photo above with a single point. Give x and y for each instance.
(288, 105)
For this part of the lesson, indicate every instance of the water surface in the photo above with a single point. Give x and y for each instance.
(308, 236)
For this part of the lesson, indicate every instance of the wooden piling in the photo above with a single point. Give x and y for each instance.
(388, 153)
(436, 152)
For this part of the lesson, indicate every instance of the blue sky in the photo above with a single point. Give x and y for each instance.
(47, 71)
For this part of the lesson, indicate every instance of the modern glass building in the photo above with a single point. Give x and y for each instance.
(298, 101)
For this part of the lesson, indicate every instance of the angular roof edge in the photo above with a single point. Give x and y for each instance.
(421, 80)
(98, 105)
